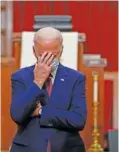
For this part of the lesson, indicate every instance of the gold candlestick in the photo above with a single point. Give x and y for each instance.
(95, 146)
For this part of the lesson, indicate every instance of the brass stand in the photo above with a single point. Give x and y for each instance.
(95, 146)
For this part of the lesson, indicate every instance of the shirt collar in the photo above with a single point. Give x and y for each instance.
(53, 73)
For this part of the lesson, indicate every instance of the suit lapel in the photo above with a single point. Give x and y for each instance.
(59, 83)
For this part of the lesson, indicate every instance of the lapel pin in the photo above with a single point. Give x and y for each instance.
(62, 79)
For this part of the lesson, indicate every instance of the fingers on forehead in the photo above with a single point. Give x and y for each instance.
(43, 56)
(54, 53)
(50, 60)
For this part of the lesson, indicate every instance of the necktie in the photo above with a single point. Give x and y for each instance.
(49, 90)
(49, 85)
(49, 147)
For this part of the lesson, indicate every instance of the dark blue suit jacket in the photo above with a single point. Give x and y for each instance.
(63, 114)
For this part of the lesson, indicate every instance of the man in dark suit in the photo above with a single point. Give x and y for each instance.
(48, 100)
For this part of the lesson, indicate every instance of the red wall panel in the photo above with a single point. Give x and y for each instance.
(98, 19)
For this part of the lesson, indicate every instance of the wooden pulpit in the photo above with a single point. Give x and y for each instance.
(87, 133)
(89, 64)
(8, 127)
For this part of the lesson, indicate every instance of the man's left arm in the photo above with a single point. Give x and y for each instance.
(75, 118)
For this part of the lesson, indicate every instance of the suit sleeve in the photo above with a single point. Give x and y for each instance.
(23, 99)
(75, 118)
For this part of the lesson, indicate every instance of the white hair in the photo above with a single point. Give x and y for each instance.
(48, 33)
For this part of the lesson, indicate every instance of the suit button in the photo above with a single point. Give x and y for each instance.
(50, 125)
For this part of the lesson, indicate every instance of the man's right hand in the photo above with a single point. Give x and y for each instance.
(36, 111)
(43, 69)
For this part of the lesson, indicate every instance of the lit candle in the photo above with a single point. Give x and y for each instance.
(95, 88)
